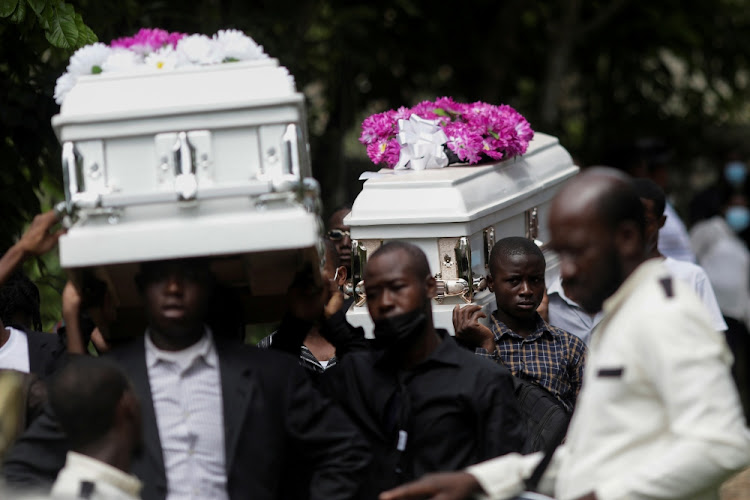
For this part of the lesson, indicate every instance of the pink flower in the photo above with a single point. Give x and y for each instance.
(475, 131)
(148, 40)
(378, 126)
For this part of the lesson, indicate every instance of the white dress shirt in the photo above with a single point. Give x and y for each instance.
(569, 316)
(85, 475)
(695, 277)
(14, 354)
(187, 397)
(658, 415)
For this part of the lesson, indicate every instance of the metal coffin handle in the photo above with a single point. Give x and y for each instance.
(185, 182)
(72, 166)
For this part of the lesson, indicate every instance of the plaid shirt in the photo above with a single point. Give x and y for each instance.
(551, 357)
(306, 358)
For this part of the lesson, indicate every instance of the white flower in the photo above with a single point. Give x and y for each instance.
(237, 45)
(88, 60)
(120, 60)
(164, 58)
(63, 86)
(199, 49)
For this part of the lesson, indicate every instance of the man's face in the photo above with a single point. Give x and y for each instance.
(654, 222)
(518, 284)
(391, 287)
(176, 295)
(589, 263)
(339, 234)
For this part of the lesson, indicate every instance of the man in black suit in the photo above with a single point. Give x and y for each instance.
(234, 443)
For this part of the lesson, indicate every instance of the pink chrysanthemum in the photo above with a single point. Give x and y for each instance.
(148, 40)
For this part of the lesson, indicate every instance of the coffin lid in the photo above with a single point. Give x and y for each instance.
(194, 89)
(461, 193)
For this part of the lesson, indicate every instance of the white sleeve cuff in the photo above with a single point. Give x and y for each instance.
(503, 477)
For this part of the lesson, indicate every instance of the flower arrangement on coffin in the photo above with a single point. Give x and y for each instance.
(152, 50)
(436, 134)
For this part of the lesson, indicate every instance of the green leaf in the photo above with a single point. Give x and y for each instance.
(62, 30)
(7, 7)
(37, 5)
(20, 13)
(440, 112)
(85, 35)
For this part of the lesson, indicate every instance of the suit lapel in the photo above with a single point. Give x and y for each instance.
(237, 392)
(133, 361)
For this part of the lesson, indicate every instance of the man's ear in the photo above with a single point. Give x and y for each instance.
(629, 241)
(662, 220)
(341, 276)
(431, 287)
(490, 283)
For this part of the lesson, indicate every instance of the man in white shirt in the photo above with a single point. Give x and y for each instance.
(566, 314)
(658, 415)
(654, 202)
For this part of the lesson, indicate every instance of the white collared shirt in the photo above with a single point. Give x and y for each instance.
(82, 473)
(14, 354)
(569, 316)
(187, 397)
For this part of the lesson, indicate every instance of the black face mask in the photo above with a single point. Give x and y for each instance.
(399, 330)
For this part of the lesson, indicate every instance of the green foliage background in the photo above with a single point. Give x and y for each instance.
(596, 74)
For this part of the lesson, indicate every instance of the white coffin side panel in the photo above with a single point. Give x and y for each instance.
(422, 207)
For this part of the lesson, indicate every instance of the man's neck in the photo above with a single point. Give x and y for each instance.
(117, 455)
(176, 342)
(520, 326)
(420, 350)
(4, 334)
(655, 253)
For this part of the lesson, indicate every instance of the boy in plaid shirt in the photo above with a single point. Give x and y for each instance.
(518, 337)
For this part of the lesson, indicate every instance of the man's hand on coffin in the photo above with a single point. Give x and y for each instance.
(441, 486)
(39, 238)
(469, 330)
(335, 303)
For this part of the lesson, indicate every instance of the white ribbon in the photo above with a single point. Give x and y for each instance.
(421, 143)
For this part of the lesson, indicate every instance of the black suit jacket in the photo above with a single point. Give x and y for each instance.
(272, 417)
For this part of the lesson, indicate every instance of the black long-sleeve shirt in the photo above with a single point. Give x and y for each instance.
(450, 411)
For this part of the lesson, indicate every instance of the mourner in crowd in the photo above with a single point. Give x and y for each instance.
(99, 412)
(315, 327)
(339, 233)
(658, 415)
(653, 200)
(518, 337)
(22, 346)
(201, 442)
(424, 403)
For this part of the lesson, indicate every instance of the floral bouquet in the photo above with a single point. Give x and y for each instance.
(157, 50)
(436, 134)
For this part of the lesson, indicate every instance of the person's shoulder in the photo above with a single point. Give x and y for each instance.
(470, 361)
(566, 337)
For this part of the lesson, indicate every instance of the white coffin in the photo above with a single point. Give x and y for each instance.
(454, 215)
(197, 161)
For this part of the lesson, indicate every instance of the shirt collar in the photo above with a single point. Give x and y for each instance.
(443, 353)
(556, 287)
(501, 330)
(97, 471)
(643, 272)
(203, 350)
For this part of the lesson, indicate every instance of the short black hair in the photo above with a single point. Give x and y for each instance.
(197, 267)
(83, 395)
(649, 190)
(20, 294)
(417, 259)
(618, 203)
(514, 245)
